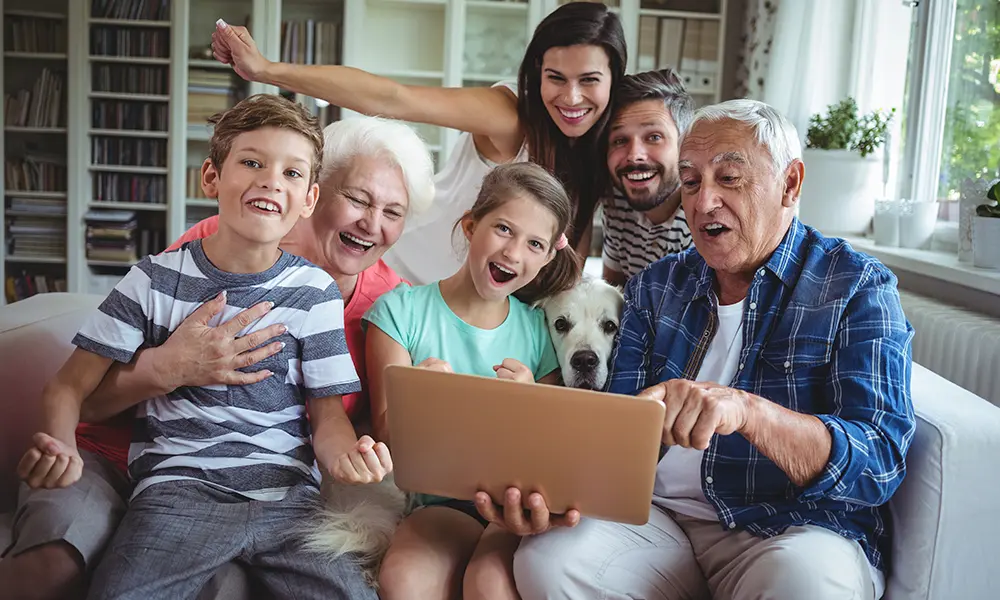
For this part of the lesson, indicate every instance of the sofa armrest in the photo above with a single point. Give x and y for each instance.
(35, 337)
(945, 530)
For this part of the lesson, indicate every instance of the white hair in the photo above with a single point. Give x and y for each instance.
(773, 131)
(349, 138)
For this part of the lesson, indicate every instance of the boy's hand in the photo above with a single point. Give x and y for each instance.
(435, 364)
(366, 462)
(50, 463)
(514, 370)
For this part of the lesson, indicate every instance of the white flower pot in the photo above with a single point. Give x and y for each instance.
(986, 242)
(917, 221)
(839, 191)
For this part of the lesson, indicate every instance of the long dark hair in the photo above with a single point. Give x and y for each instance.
(580, 167)
(508, 181)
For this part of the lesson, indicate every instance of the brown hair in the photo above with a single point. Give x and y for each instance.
(259, 111)
(575, 23)
(508, 181)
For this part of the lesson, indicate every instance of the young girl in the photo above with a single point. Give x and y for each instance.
(478, 321)
(556, 116)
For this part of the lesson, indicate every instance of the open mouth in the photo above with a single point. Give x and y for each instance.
(714, 229)
(355, 243)
(638, 176)
(265, 206)
(501, 274)
(574, 115)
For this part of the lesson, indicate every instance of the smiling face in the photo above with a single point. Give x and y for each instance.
(576, 86)
(509, 246)
(642, 153)
(263, 187)
(737, 207)
(361, 214)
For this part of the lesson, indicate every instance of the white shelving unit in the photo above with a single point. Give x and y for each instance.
(35, 143)
(448, 43)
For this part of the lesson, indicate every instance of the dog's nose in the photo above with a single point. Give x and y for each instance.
(584, 360)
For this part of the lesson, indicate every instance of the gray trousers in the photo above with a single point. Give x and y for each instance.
(176, 535)
(674, 557)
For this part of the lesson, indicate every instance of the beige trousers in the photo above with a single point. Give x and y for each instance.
(674, 557)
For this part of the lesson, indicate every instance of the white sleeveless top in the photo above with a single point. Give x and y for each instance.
(426, 252)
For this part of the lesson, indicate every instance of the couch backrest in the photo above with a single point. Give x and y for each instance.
(35, 337)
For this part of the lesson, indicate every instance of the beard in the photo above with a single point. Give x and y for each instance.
(647, 199)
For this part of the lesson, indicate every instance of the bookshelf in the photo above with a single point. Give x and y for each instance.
(105, 104)
(126, 184)
(35, 188)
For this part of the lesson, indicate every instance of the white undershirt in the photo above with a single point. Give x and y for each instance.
(678, 476)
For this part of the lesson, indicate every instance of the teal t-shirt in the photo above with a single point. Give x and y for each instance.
(420, 321)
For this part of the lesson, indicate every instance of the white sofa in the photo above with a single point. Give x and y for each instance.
(946, 543)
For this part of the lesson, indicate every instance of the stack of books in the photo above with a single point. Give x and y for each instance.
(210, 92)
(36, 237)
(112, 236)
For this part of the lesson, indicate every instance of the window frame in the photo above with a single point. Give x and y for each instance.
(931, 46)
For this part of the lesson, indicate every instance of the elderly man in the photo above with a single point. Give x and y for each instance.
(783, 359)
(642, 220)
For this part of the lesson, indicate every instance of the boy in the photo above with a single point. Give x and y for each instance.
(226, 472)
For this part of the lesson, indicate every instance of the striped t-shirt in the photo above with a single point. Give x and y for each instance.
(253, 440)
(632, 241)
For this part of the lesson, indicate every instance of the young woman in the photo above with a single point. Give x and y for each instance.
(555, 116)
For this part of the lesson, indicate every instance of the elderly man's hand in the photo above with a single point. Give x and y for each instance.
(197, 354)
(512, 518)
(695, 410)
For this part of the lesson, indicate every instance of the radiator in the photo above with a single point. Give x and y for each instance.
(957, 344)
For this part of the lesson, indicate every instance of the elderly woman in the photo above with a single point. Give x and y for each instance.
(375, 173)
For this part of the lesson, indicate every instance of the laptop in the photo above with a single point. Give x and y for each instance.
(453, 435)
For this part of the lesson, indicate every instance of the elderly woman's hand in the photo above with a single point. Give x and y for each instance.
(232, 45)
(512, 518)
(197, 354)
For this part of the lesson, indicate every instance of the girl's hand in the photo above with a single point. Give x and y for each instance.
(435, 364)
(366, 462)
(514, 370)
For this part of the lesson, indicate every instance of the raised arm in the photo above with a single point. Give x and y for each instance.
(194, 354)
(490, 112)
(381, 351)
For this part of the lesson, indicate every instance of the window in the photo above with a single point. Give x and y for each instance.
(971, 144)
(952, 117)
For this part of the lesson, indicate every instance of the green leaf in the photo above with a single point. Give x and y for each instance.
(994, 193)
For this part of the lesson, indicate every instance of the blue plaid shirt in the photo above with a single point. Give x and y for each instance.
(823, 334)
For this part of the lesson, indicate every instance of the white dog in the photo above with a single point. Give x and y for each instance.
(583, 322)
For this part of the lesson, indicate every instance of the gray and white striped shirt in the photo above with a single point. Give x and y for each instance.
(253, 440)
(632, 241)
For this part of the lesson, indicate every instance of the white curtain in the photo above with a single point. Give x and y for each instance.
(803, 55)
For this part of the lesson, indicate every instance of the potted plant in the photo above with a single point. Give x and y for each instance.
(843, 175)
(986, 231)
